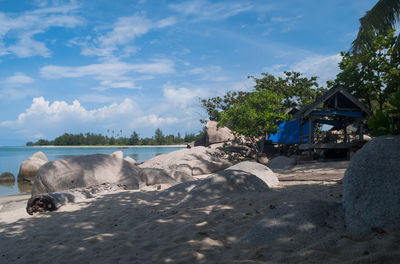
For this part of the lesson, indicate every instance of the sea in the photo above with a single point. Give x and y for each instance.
(12, 157)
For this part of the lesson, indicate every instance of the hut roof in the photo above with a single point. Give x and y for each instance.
(337, 98)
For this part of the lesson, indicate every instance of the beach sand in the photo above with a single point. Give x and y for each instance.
(151, 226)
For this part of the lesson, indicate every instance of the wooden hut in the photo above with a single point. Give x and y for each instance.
(336, 108)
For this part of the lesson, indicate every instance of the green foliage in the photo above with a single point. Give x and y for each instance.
(257, 114)
(374, 74)
(294, 89)
(215, 105)
(385, 14)
(90, 139)
(388, 121)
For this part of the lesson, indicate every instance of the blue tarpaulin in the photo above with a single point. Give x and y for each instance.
(289, 132)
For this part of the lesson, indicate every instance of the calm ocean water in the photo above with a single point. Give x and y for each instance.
(12, 157)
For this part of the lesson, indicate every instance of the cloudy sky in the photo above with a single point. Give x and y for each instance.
(89, 66)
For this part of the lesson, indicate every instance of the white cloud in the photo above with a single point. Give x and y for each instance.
(112, 73)
(208, 73)
(204, 10)
(19, 78)
(325, 67)
(53, 119)
(157, 121)
(181, 97)
(124, 31)
(24, 26)
(288, 23)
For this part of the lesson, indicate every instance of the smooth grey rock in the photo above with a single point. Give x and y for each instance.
(40, 155)
(282, 163)
(223, 183)
(118, 154)
(293, 218)
(262, 172)
(7, 177)
(151, 176)
(263, 159)
(371, 186)
(130, 160)
(217, 135)
(184, 163)
(30, 167)
(84, 171)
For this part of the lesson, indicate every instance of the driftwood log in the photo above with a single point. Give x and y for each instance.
(52, 201)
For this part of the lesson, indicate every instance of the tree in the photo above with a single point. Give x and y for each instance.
(159, 137)
(376, 21)
(215, 105)
(373, 75)
(259, 113)
(387, 121)
(295, 89)
(134, 139)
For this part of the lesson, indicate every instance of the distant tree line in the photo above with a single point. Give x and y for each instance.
(91, 139)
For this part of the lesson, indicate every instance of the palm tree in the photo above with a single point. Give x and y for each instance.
(376, 21)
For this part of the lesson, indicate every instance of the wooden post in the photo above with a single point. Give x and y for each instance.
(301, 131)
(310, 135)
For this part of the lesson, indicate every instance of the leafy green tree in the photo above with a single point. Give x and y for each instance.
(134, 139)
(159, 137)
(294, 89)
(385, 14)
(215, 105)
(373, 75)
(386, 121)
(259, 113)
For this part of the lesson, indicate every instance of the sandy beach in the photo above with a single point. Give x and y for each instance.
(167, 226)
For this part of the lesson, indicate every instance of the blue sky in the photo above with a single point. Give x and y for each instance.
(90, 66)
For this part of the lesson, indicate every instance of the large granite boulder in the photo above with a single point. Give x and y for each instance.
(262, 172)
(371, 186)
(30, 167)
(84, 171)
(217, 135)
(185, 163)
(281, 163)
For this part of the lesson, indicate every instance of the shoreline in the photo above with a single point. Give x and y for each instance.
(114, 146)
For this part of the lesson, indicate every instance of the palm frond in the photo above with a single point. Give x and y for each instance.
(383, 15)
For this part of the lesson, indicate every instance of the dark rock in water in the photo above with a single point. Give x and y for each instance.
(84, 171)
(24, 186)
(371, 186)
(31, 166)
(7, 177)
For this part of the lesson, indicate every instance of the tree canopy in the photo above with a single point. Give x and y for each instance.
(375, 74)
(91, 139)
(376, 21)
